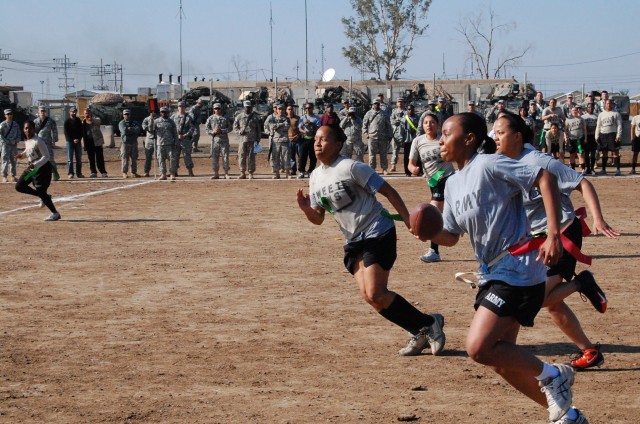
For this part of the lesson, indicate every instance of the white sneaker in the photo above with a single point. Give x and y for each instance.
(416, 344)
(53, 217)
(430, 256)
(435, 334)
(558, 391)
(566, 420)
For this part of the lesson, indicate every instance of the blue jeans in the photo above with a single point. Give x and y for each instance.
(74, 148)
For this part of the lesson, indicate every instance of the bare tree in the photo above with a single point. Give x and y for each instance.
(483, 35)
(382, 34)
(241, 67)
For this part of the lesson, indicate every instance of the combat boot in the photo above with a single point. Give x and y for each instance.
(173, 176)
(136, 175)
(276, 176)
(191, 172)
(226, 175)
(124, 175)
(251, 175)
(215, 176)
(242, 176)
(163, 177)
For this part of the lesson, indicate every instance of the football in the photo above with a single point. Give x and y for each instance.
(425, 221)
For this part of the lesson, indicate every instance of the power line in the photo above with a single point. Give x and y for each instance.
(579, 63)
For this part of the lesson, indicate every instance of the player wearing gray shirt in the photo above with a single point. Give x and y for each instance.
(574, 137)
(608, 133)
(347, 190)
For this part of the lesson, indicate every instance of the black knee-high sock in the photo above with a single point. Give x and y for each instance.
(434, 247)
(616, 160)
(405, 315)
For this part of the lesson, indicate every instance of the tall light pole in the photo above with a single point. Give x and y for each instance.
(42, 90)
(306, 55)
(181, 13)
(271, 25)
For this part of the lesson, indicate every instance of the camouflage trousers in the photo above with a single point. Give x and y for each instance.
(281, 156)
(149, 148)
(167, 152)
(129, 155)
(378, 147)
(246, 156)
(396, 146)
(220, 149)
(350, 148)
(184, 148)
(9, 152)
(196, 138)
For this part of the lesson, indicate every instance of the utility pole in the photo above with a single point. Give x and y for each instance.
(41, 90)
(306, 55)
(271, 26)
(63, 65)
(117, 83)
(321, 58)
(181, 13)
(101, 71)
(4, 56)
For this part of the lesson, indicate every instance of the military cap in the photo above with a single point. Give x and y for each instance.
(42, 108)
(441, 99)
(532, 102)
(352, 110)
(380, 95)
(376, 101)
(199, 102)
(470, 102)
(8, 112)
(345, 101)
(247, 103)
(73, 109)
(432, 102)
(570, 95)
(182, 104)
(400, 99)
(500, 101)
(126, 112)
(217, 106)
(280, 106)
(164, 109)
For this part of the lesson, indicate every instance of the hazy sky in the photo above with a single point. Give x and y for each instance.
(574, 42)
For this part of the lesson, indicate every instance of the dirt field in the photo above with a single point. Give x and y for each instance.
(217, 302)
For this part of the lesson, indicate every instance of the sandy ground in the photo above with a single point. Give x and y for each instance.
(217, 302)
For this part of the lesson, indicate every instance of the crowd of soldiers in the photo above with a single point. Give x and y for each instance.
(583, 131)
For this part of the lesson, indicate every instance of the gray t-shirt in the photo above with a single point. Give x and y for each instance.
(484, 199)
(349, 189)
(574, 127)
(428, 151)
(568, 180)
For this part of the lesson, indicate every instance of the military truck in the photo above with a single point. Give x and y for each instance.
(109, 106)
(335, 95)
(20, 115)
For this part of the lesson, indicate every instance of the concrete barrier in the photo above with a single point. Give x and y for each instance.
(109, 137)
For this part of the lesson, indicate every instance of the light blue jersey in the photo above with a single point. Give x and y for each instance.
(485, 200)
(568, 180)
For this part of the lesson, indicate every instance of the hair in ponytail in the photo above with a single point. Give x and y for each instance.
(474, 124)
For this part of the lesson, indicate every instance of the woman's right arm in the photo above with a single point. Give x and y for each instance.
(314, 215)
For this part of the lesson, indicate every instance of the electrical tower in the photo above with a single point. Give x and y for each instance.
(3, 56)
(117, 82)
(101, 71)
(63, 65)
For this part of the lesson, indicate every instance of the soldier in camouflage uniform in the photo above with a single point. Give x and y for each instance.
(218, 126)
(47, 130)
(397, 126)
(351, 124)
(247, 126)
(278, 125)
(129, 131)
(186, 130)
(377, 128)
(345, 109)
(149, 142)
(196, 114)
(10, 135)
(166, 140)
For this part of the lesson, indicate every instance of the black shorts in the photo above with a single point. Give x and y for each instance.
(635, 144)
(522, 303)
(566, 266)
(555, 148)
(573, 146)
(378, 250)
(437, 192)
(608, 143)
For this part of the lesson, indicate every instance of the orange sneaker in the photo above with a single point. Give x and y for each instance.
(588, 358)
